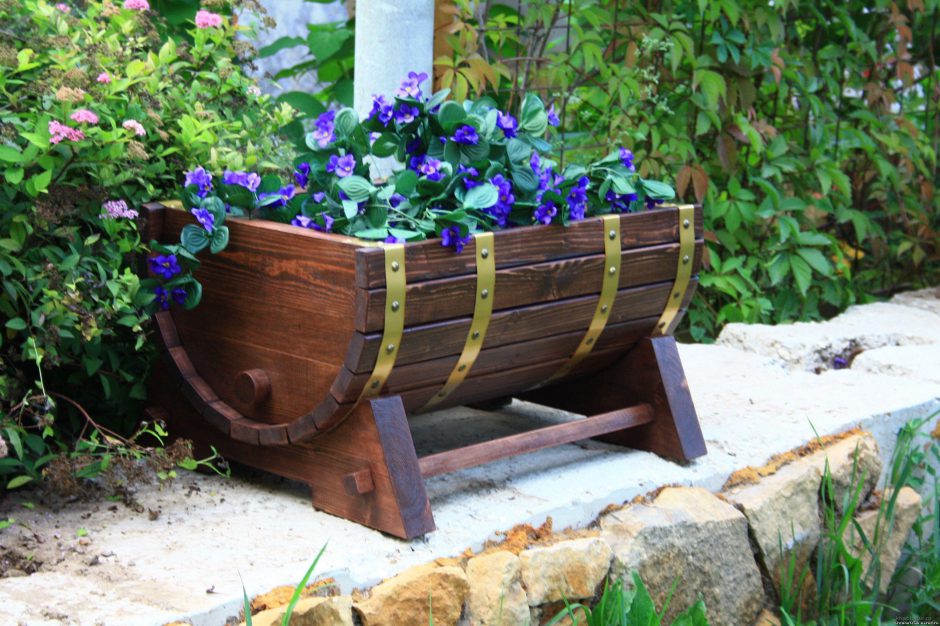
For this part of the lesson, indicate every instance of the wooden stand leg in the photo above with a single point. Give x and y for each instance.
(652, 373)
(364, 470)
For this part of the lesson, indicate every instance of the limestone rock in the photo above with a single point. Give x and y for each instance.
(496, 594)
(3, 447)
(893, 537)
(783, 512)
(913, 362)
(767, 618)
(570, 569)
(405, 598)
(689, 534)
(927, 299)
(310, 612)
(850, 460)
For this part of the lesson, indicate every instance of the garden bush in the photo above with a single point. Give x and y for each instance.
(100, 115)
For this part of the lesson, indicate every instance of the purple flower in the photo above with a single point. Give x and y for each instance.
(406, 113)
(839, 363)
(165, 265)
(286, 193)
(626, 157)
(303, 221)
(327, 223)
(620, 203)
(552, 116)
(652, 202)
(545, 212)
(468, 182)
(249, 181)
(302, 175)
(466, 135)
(201, 178)
(450, 238)
(578, 199)
(324, 134)
(535, 162)
(179, 295)
(204, 217)
(342, 166)
(395, 200)
(428, 166)
(163, 298)
(414, 146)
(503, 206)
(382, 110)
(393, 239)
(506, 123)
(411, 86)
(116, 209)
(318, 196)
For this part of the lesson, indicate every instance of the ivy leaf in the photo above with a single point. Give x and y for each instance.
(802, 273)
(816, 260)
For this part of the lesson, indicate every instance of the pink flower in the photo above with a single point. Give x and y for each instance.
(137, 5)
(63, 7)
(135, 126)
(116, 209)
(207, 19)
(103, 78)
(84, 115)
(60, 131)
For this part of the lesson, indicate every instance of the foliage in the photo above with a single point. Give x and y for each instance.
(98, 116)
(470, 167)
(846, 588)
(809, 130)
(620, 606)
(295, 597)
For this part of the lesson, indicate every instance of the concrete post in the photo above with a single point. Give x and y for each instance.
(393, 37)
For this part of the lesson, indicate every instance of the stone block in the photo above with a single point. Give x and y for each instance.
(571, 570)
(410, 597)
(496, 594)
(853, 459)
(310, 612)
(689, 535)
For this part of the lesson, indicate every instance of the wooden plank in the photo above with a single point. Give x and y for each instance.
(348, 386)
(547, 437)
(428, 260)
(442, 339)
(450, 297)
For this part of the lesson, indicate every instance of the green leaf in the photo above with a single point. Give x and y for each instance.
(451, 113)
(518, 150)
(194, 238)
(621, 185)
(712, 85)
(372, 233)
(219, 240)
(405, 182)
(350, 209)
(386, 145)
(657, 190)
(14, 175)
(280, 44)
(357, 188)
(817, 260)
(19, 481)
(346, 122)
(802, 273)
(303, 102)
(17, 323)
(481, 197)
(524, 178)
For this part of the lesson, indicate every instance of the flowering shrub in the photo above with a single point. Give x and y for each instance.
(98, 116)
(462, 168)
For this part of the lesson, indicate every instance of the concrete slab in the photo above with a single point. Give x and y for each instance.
(208, 531)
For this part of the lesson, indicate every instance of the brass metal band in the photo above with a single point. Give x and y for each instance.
(684, 268)
(605, 303)
(394, 320)
(482, 312)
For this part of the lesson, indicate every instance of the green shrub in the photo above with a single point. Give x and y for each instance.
(99, 116)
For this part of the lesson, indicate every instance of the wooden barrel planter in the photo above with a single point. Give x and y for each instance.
(309, 350)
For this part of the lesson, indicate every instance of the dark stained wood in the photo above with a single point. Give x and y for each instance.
(547, 437)
(651, 373)
(427, 260)
(519, 286)
(348, 386)
(375, 438)
(252, 387)
(358, 483)
(442, 339)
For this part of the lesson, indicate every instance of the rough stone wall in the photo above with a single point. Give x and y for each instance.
(728, 548)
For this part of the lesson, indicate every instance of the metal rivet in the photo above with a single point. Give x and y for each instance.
(604, 308)
(612, 271)
(686, 223)
(675, 295)
(612, 234)
(590, 340)
(395, 266)
(476, 334)
(485, 294)
(390, 348)
(375, 384)
(685, 259)
(462, 368)
(396, 305)
(484, 253)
